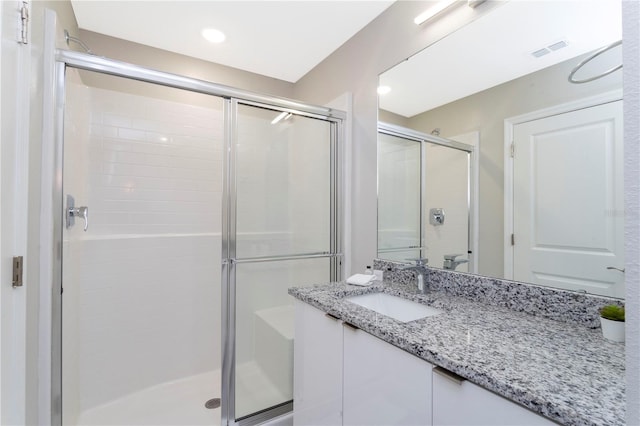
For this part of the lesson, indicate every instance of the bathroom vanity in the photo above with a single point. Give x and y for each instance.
(474, 363)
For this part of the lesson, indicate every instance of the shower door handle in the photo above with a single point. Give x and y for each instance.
(73, 212)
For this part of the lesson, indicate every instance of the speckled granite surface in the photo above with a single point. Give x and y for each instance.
(561, 305)
(562, 370)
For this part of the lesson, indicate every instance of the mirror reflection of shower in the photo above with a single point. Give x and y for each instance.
(430, 178)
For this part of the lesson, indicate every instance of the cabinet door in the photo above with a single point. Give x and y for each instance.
(317, 366)
(383, 385)
(459, 402)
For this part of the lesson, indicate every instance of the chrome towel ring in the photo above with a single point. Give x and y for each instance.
(589, 59)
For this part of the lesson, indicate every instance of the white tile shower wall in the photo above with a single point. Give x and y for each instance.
(141, 304)
(156, 166)
(145, 323)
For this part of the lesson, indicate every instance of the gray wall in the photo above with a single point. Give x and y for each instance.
(355, 67)
(485, 112)
(150, 57)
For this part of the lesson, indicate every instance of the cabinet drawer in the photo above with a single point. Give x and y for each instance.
(457, 401)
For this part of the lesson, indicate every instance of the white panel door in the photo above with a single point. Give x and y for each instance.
(568, 200)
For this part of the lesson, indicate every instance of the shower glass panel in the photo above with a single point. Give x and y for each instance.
(447, 186)
(283, 228)
(283, 184)
(264, 330)
(141, 304)
(399, 198)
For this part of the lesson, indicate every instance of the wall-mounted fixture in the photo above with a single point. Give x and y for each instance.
(591, 57)
(441, 7)
(68, 37)
(433, 11)
(436, 216)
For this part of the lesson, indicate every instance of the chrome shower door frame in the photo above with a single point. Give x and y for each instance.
(231, 260)
(232, 98)
(423, 139)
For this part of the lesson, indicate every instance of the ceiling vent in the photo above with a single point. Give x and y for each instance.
(550, 48)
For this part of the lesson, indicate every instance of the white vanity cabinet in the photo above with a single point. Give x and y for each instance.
(379, 385)
(317, 366)
(345, 376)
(457, 401)
(383, 385)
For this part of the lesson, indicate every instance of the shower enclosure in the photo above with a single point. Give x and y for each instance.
(203, 205)
(424, 198)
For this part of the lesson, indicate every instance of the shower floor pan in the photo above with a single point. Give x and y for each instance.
(182, 402)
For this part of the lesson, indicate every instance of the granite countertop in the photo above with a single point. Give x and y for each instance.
(564, 371)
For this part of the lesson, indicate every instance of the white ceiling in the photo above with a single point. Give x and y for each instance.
(497, 48)
(279, 39)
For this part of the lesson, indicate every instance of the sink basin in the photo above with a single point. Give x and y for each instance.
(393, 306)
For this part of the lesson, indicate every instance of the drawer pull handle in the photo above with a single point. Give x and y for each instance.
(450, 375)
(333, 317)
(351, 326)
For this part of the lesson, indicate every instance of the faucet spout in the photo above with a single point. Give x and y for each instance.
(422, 272)
(451, 262)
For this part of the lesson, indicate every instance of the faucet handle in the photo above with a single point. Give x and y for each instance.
(420, 261)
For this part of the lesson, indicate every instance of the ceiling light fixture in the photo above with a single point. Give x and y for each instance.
(433, 11)
(383, 90)
(212, 35)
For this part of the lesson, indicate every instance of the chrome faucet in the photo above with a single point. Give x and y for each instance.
(423, 273)
(451, 263)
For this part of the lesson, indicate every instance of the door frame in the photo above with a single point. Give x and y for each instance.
(14, 175)
(509, 124)
(53, 236)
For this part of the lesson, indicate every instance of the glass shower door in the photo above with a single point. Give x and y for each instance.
(141, 311)
(283, 236)
(399, 198)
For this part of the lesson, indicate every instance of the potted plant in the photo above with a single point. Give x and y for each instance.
(612, 322)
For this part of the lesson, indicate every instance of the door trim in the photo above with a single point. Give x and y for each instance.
(509, 124)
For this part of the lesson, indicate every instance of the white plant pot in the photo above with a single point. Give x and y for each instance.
(612, 330)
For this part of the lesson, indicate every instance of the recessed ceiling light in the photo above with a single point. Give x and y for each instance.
(213, 35)
(383, 90)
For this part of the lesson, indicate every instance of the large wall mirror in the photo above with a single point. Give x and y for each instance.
(550, 206)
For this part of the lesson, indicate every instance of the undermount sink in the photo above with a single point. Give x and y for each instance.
(393, 306)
